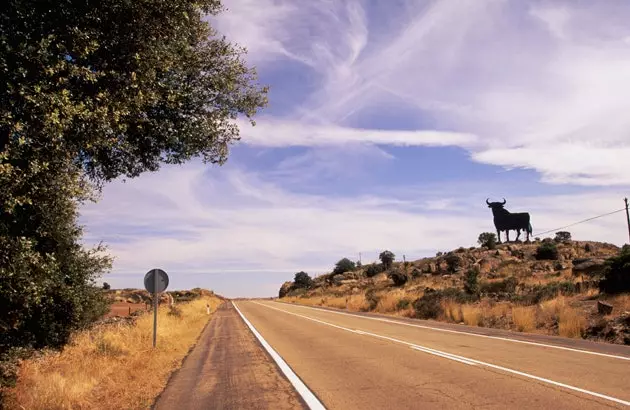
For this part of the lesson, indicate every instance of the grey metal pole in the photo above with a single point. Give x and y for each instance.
(155, 307)
(627, 216)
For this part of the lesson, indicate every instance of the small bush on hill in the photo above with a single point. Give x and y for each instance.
(617, 274)
(387, 258)
(399, 277)
(416, 273)
(343, 266)
(372, 299)
(507, 285)
(540, 293)
(562, 236)
(461, 249)
(453, 262)
(547, 251)
(106, 286)
(438, 254)
(487, 239)
(403, 304)
(428, 306)
(374, 269)
(471, 282)
(302, 280)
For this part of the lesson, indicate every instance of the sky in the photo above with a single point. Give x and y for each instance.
(389, 124)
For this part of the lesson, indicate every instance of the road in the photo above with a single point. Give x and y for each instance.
(356, 362)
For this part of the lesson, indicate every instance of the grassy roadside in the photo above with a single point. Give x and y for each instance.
(112, 366)
(561, 316)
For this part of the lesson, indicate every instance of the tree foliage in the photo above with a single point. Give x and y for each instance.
(387, 258)
(547, 251)
(617, 274)
(302, 280)
(562, 236)
(92, 91)
(487, 239)
(344, 265)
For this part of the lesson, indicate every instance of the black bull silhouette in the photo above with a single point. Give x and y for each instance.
(506, 221)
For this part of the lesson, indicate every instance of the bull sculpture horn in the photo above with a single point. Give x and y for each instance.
(504, 201)
(488, 201)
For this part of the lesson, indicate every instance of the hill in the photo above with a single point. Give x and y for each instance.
(544, 287)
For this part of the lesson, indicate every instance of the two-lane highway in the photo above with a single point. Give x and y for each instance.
(350, 362)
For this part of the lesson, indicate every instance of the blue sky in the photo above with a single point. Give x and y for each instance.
(389, 124)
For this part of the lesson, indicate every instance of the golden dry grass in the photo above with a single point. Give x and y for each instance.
(524, 318)
(357, 303)
(452, 311)
(571, 323)
(620, 303)
(472, 315)
(388, 302)
(113, 366)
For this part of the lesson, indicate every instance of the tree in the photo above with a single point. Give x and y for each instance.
(617, 273)
(93, 91)
(106, 286)
(562, 236)
(302, 280)
(344, 265)
(487, 239)
(387, 258)
(374, 269)
(471, 282)
(547, 251)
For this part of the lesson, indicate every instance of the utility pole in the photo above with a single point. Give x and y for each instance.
(360, 258)
(627, 216)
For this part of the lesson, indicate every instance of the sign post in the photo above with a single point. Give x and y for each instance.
(155, 282)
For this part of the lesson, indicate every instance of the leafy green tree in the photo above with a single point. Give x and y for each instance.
(92, 91)
(562, 236)
(487, 239)
(387, 258)
(374, 269)
(106, 286)
(302, 280)
(617, 273)
(471, 282)
(547, 251)
(344, 265)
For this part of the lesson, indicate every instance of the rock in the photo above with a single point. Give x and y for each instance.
(589, 266)
(285, 289)
(604, 308)
(487, 265)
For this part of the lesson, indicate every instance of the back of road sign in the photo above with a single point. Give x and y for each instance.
(150, 282)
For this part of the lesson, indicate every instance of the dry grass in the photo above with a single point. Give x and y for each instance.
(621, 303)
(452, 311)
(571, 323)
(388, 302)
(112, 367)
(524, 318)
(472, 315)
(357, 303)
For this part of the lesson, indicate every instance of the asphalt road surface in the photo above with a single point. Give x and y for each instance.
(363, 362)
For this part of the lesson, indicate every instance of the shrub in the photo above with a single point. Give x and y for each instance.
(487, 239)
(438, 254)
(387, 258)
(428, 306)
(453, 262)
(174, 311)
(343, 266)
(562, 236)
(374, 269)
(588, 248)
(416, 273)
(302, 280)
(403, 304)
(471, 282)
(399, 277)
(541, 293)
(372, 299)
(461, 249)
(617, 273)
(106, 286)
(547, 251)
(507, 285)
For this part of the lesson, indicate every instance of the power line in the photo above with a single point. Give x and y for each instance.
(580, 222)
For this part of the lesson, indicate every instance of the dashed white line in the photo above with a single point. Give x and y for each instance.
(465, 333)
(307, 395)
(455, 357)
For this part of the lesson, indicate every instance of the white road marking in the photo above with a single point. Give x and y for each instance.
(458, 358)
(506, 339)
(300, 387)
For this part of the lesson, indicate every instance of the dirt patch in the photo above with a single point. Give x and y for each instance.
(124, 309)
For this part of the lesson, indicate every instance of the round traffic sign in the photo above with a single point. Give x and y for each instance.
(154, 286)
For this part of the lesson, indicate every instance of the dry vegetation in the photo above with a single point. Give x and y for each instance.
(112, 366)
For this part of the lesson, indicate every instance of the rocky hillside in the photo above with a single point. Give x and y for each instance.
(546, 280)
(142, 296)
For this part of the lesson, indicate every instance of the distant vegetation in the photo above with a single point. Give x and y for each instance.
(546, 287)
(343, 266)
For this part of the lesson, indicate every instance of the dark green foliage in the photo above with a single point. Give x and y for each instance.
(399, 277)
(387, 258)
(343, 266)
(471, 282)
(453, 262)
(372, 299)
(506, 286)
(403, 304)
(374, 269)
(302, 280)
(617, 274)
(438, 254)
(547, 251)
(487, 239)
(461, 249)
(106, 286)
(588, 248)
(562, 236)
(416, 273)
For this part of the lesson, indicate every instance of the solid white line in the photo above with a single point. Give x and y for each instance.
(458, 358)
(300, 387)
(506, 339)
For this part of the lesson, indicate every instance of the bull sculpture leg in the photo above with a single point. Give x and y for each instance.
(507, 236)
(518, 235)
(498, 236)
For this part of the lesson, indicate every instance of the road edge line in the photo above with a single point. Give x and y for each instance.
(461, 332)
(307, 395)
